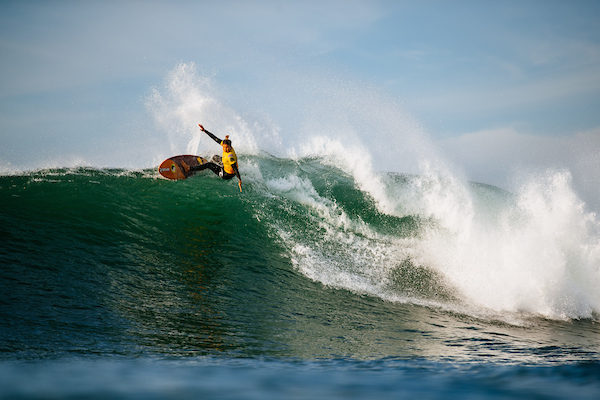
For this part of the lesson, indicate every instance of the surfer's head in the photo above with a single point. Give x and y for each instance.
(226, 144)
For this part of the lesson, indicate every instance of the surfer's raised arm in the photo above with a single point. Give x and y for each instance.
(213, 137)
(228, 167)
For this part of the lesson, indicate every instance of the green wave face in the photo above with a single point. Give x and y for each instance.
(306, 262)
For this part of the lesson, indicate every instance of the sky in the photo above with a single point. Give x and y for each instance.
(495, 85)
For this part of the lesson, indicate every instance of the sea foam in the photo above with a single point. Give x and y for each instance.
(533, 250)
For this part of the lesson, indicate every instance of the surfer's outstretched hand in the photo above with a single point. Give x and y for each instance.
(201, 127)
(240, 184)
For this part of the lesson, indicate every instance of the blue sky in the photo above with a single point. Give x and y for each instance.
(495, 84)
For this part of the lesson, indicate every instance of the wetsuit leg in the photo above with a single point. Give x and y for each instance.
(217, 169)
(212, 166)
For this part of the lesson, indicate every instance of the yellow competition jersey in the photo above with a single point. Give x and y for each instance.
(229, 158)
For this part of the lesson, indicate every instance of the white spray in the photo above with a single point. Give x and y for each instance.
(536, 251)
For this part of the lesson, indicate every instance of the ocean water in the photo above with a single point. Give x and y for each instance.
(318, 281)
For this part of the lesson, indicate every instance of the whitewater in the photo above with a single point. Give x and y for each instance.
(534, 250)
(353, 265)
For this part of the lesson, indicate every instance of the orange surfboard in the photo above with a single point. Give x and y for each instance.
(175, 167)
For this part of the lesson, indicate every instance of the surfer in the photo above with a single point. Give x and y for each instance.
(229, 169)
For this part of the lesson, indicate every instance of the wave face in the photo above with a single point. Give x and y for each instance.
(311, 260)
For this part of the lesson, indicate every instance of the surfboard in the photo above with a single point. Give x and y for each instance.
(174, 167)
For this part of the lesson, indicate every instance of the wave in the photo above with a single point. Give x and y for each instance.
(428, 239)
(438, 241)
(427, 236)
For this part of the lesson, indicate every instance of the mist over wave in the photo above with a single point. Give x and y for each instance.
(440, 240)
(535, 251)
